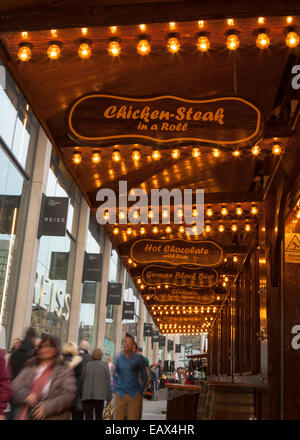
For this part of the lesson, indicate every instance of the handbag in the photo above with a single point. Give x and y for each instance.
(109, 411)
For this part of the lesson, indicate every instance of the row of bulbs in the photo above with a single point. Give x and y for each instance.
(196, 308)
(144, 48)
(175, 153)
(179, 326)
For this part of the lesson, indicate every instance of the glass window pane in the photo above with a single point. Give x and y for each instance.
(8, 118)
(21, 141)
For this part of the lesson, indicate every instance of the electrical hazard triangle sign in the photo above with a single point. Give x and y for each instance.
(292, 248)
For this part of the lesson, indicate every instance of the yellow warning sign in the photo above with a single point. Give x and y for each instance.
(292, 248)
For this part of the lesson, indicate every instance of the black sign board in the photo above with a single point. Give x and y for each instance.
(88, 293)
(170, 345)
(53, 217)
(59, 266)
(182, 276)
(155, 336)
(105, 119)
(132, 329)
(114, 291)
(161, 341)
(128, 310)
(177, 348)
(148, 328)
(92, 269)
(203, 253)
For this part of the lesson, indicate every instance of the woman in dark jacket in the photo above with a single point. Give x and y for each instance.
(95, 386)
(46, 386)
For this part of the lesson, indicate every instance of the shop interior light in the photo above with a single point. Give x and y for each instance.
(77, 158)
(84, 50)
(203, 43)
(173, 45)
(24, 52)
(54, 51)
(143, 47)
(96, 157)
(232, 42)
(262, 41)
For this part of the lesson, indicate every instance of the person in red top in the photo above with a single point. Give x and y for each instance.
(5, 385)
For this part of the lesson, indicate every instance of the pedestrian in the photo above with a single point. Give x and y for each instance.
(73, 360)
(128, 391)
(5, 386)
(95, 386)
(16, 344)
(84, 347)
(83, 352)
(110, 367)
(46, 386)
(20, 356)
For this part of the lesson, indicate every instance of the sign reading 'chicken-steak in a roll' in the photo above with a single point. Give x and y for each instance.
(177, 252)
(155, 275)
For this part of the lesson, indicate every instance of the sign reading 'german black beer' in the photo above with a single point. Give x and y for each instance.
(128, 310)
(107, 119)
(184, 276)
(92, 268)
(53, 217)
(114, 291)
(177, 252)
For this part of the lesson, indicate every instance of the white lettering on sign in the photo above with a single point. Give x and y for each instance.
(296, 339)
(51, 299)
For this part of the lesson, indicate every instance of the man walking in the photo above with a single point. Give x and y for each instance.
(130, 368)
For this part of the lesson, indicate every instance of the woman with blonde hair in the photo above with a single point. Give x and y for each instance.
(95, 386)
(72, 359)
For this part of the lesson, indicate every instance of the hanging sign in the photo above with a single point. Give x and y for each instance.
(88, 293)
(53, 217)
(155, 275)
(148, 329)
(128, 310)
(161, 341)
(177, 348)
(170, 345)
(183, 296)
(92, 268)
(114, 291)
(292, 248)
(155, 336)
(105, 119)
(132, 329)
(177, 252)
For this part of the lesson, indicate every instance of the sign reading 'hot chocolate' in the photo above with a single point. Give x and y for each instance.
(177, 252)
(184, 276)
(106, 119)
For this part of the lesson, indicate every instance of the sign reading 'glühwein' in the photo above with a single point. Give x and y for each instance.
(184, 276)
(177, 252)
(183, 296)
(106, 119)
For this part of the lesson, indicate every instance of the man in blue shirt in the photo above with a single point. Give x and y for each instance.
(130, 378)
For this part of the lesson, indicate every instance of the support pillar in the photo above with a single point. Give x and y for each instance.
(140, 337)
(119, 312)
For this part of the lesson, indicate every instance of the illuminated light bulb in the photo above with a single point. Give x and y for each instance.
(116, 156)
(262, 41)
(96, 157)
(165, 213)
(289, 20)
(292, 39)
(247, 227)
(116, 231)
(298, 213)
(54, 52)
(216, 152)
(24, 53)
(209, 212)
(201, 24)
(255, 150)
(136, 155)
(239, 211)
(172, 25)
(224, 211)
(276, 149)
(113, 29)
(232, 42)
(254, 210)
(84, 31)
(114, 48)
(194, 213)
(176, 153)
(207, 228)
(130, 261)
(147, 298)
(24, 35)
(194, 229)
(54, 33)
(156, 155)
(230, 22)
(261, 20)
(234, 228)
(225, 260)
(142, 27)
(203, 44)
(196, 152)
(129, 231)
(235, 259)
(221, 228)
(106, 215)
(142, 286)
(236, 153)
(84, 51)
(181, 229)
(173, 45)
(77, 158)
(168, 230)
(143, 47)
(155, 230)
(150, 214)
(218, 298)
(224, 284)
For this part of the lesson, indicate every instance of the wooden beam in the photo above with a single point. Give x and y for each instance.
(92, 13)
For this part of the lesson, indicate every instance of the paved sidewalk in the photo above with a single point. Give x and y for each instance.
(152, 409)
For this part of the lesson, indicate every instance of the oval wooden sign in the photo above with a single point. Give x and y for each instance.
(203, 253)
(184, 296)
(105, 119)
(155, 275)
